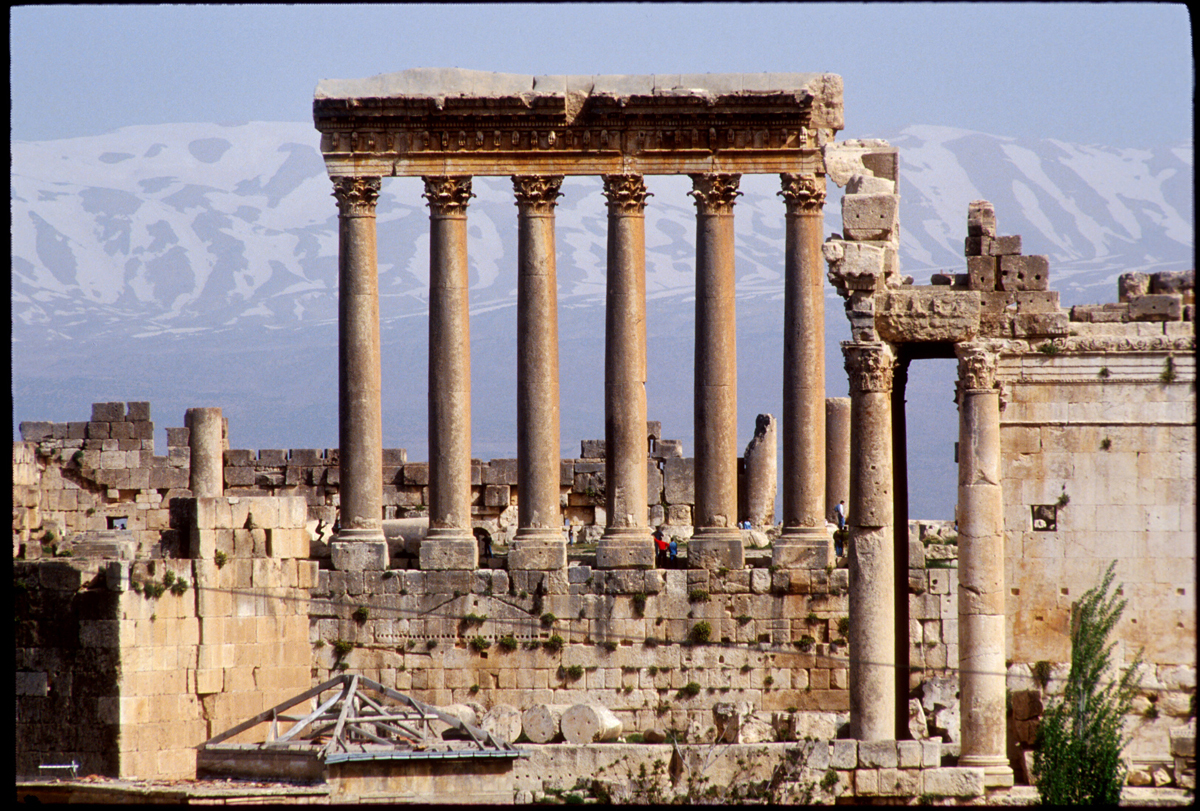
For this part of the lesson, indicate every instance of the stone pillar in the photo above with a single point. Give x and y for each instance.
(981, 617)
(626, 542)
(716, 543)
(206, 439)
(360, 543)
(872, 627)
(758, 498)
(804, 541)
(539, 543)
(450, 543)
(837, 454)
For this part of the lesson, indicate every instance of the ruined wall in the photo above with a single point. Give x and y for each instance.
(127, 665)
(1099, 461)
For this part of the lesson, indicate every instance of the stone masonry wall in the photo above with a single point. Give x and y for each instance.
(1099, 461)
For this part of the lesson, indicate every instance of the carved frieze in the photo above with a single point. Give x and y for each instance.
(356, 195)
(715, 192)
(803, 194)
(537, 194)
(927, 314)
(869, 366)
(626, 193)
(448, 194)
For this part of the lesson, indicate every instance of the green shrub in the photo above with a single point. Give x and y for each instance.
(639, 604)
(574, 672)
(548, 619)
(361, 614)
(220, 558)
(474, 619)
(1077, 755)
(689, 690)
(698, 596)
(806, 643)
(179, 587)
(554, 644)
(701, 632)
(508, 643)
(609, 645)
(342, 646)
(745, 619)
(479, 644)
(843, 625)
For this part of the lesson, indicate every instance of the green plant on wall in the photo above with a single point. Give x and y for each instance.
(1077, 759)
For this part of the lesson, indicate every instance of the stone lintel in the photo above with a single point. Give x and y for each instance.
(927, 314)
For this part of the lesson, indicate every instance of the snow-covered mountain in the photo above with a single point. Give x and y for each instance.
(196, 264)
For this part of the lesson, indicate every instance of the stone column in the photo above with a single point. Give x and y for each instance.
(837, 453)
(450, 543)
(716, 543)
(360, 543)
(981, 617)
(872, 623)
(539, 542)
(804, 541)
(837, 459)
(626, 542)
(206, 430)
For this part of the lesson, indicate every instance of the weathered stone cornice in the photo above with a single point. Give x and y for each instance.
(433, 122)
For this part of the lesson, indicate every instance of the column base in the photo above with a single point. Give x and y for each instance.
(997, 773)
(359, 550)
(625, 548)
(716, 548)
(803, 548)
(449, 549)
(537, 550)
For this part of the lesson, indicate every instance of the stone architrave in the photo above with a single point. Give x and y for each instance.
(360, 422)
(716, 543)
(206, 440)
(804, 541)
(872, 585)
(539, 543)
(981, 609)
(626, 542)
(450, 543)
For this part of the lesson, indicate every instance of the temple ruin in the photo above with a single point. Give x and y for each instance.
(169, 604)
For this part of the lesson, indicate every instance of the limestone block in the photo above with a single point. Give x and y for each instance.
(358, 556)
(954, 782)
(1024, 272)
(878, 754)
(870, 216)
(859, 157)
(855, 265)
(1173, 281)
(1132, 284)
(1183, 740)
(589, 723)
(1040, 325)
(1161, 307)
(869, 184)
(982, 272)
(496, 495)
(679, 476)
(500, 471)
(981, 219)
(924, 314)
(977, 246)
(108, 412)
(667, 448)
(1005, 246)
(591, 449)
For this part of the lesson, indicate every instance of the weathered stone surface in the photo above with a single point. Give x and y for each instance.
(982, 272)
(981, 219)
(954, 782)
(854, 265)
(1172, 281)
(1162, 307)
(870, 216)
(927, 314)
(1132, 284)
(1041, 325)
(845, 160)
(1024, 273)
(359, 556)
(679, 480)
(1005, 246)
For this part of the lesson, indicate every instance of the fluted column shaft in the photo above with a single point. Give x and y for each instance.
(626, 542)
(981, 609)
(450, 543)
(804, 541)
(872, 588)
(717, 542)
(360, 425)
(539, 542)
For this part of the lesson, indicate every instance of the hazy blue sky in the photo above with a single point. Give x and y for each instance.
(1114, 74)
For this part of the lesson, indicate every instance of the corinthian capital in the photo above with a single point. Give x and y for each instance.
(869, 366)
(803, 194)
(715, 192)
(976, 366)
(626, 193)
(356, 195)
(538, 193)
(447, 195)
